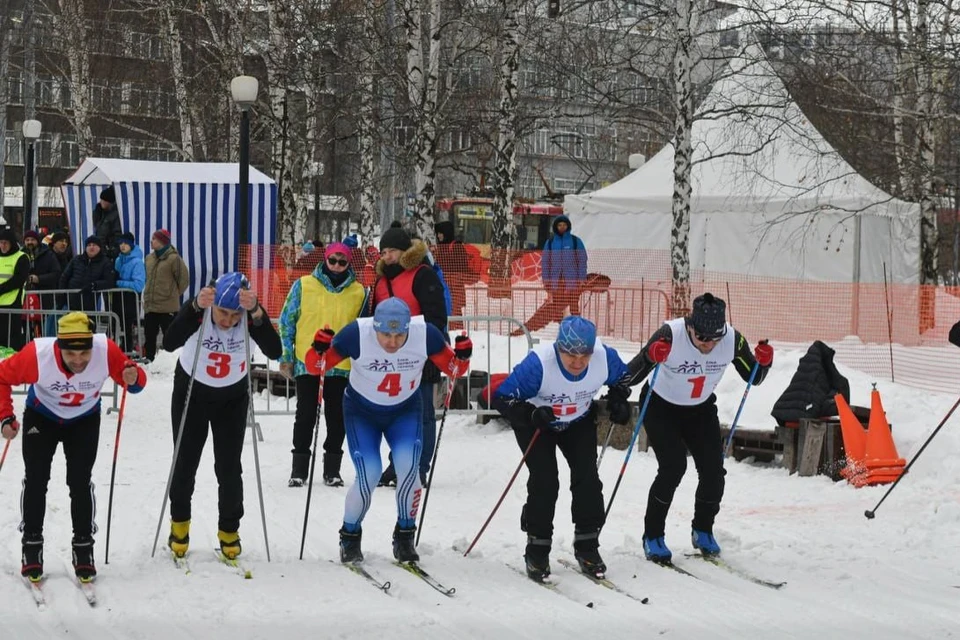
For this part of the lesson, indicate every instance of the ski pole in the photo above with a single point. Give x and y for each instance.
(633, 438)
(183, 422)
(313, 459)
(733, 427)
(252, 422)
(536, 434)
(6, 448)
(433, 461)
(871, 513)
(113, 473)
(606, 442)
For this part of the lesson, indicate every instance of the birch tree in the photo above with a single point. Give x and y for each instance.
(509, 47)
(6, 33)
(683, 158)
(367, 128)
(171, 11)
(72, 30)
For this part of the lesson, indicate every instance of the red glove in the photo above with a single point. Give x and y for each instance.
(9, 427)
(659, 351)
(763, 353)
(463, 347)
(322, 340)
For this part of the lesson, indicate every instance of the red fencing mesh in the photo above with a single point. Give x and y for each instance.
(892, 330)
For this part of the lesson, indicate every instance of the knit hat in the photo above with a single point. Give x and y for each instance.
(395, 238)
(392, 316)
(75, 332)
(127, 238)
(708, 317)
(94, 240)
(162, 235)
(336, 247)
(307, 247)
(58, 236)
(109, 195)
(228, 287)
(351, 241)
(577, 336)
(32, 234)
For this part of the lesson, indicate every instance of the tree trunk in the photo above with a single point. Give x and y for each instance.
(5, 37)
(174, 41)
(504, 232)
(72, 29)
(366, 135)
(682, 165)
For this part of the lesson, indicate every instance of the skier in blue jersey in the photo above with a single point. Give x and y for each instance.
(382, 400)
(551, 392)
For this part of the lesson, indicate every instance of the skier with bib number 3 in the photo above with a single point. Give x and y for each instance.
(387, 354)
(693, 353)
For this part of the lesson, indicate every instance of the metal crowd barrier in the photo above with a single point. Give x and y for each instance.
(469, 386)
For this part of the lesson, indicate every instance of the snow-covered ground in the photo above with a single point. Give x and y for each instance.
(892, 577)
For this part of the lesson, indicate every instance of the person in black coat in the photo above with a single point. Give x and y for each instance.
(812, 389)
(90, 272)
(14, 269)
(106, 222)
(44, 267)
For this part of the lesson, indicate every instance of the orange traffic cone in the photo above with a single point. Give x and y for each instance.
(854, 439)
(882, 462)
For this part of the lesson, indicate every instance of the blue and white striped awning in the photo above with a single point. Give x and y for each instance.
(195, 202)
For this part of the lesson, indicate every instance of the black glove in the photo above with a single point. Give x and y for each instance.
(463, 347)
(542, 417)
(618, 405)
(90, 288)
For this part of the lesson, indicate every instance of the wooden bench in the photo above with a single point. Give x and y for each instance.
(275, 383)
(814, 446)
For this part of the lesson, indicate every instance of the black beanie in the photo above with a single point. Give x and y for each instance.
(708, 317)
(94, 240)
(109, 195)
(395, 238)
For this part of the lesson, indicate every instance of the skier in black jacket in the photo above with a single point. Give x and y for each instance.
(219, 398)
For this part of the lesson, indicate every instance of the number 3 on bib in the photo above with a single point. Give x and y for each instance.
(697, 383)
(390, 384)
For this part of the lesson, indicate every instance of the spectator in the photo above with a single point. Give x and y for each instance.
(564, 269)
(44, 275)
(14, 270)
(131, 274)
(311, 258)
(106, 222)
(403, 272)
(451, 257)
(60, 243)
(167, 279)
(88, 273)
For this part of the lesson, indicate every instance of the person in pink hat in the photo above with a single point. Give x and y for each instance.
(331, 297)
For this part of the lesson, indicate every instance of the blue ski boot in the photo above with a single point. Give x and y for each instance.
(705, 542)
(655, 550)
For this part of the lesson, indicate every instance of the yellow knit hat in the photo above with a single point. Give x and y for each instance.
(75, 332)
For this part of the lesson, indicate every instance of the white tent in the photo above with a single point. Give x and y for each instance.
(195, 201)
(770, 196)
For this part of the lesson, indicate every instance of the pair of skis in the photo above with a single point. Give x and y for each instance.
(719, 562)
(598, 580)
(412, 568)
(40, 599)
(182, 563)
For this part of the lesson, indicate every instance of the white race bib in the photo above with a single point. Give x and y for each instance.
(688, 377)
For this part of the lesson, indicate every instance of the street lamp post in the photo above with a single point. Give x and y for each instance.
(31, 131)
(244, 91)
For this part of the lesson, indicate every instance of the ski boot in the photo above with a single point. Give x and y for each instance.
(537, 558)
(31, 566)
(350, 552)
(655, 550)
(179, 538)
(705, 542)
(403, 549)
(83, 564)
(389, 478)
(299, 470)
(229, 544)
(586, 551)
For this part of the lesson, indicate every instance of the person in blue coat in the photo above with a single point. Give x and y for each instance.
(549, 396)
(132, 275)
(564, 270)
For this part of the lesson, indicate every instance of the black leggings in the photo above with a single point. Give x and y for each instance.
(673, 430)
(307, 389)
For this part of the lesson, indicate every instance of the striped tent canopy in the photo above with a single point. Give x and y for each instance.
(195, 201)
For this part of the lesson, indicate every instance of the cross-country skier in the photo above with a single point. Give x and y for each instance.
(65, 375)
(693, 352)
(387, 353)
(552, 391)
(219, 399)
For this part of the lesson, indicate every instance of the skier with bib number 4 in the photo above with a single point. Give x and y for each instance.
(693, 353)
(65, 375)
(551, 392)
(219, 399)
(387, 355)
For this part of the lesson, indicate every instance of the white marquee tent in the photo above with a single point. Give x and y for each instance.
(770, 196)
(195, 202)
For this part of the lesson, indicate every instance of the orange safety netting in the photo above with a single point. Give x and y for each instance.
(628, 295)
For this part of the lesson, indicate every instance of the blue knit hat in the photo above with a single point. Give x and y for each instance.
(577, 336)
(228, 288)
(351, 241)
(392, 316)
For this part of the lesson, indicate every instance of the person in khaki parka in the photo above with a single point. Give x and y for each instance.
(167, 279)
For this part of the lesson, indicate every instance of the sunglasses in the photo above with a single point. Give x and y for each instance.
(333, 262)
